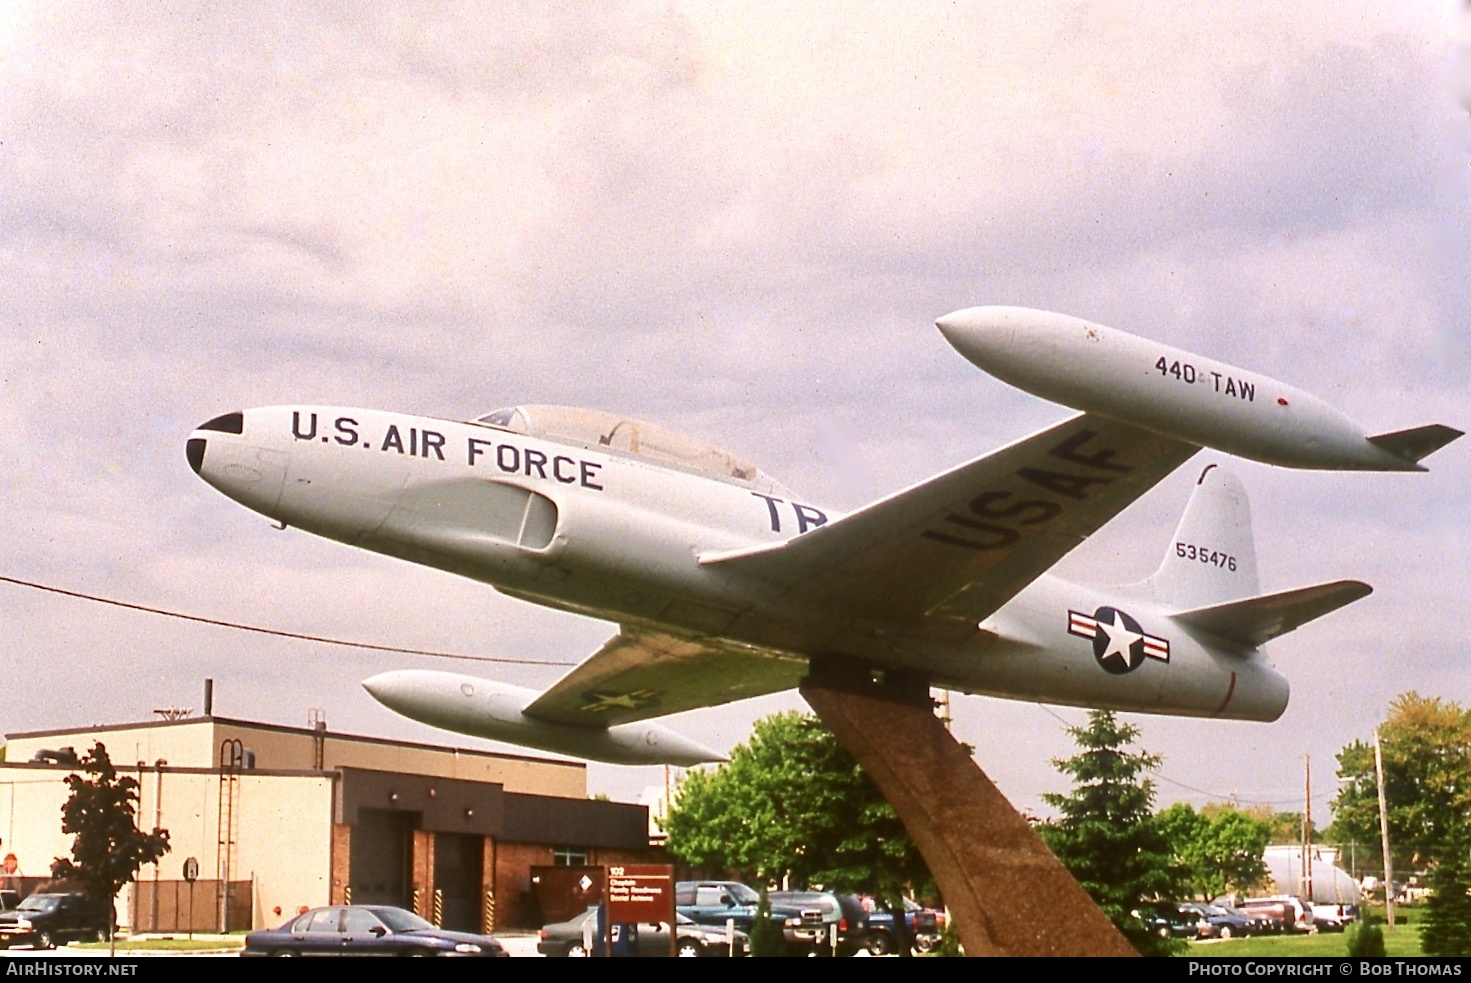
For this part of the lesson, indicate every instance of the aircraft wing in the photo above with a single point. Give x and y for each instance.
(937, 557)
(641, 674)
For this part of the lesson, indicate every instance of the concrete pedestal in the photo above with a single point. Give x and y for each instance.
(1007, 894)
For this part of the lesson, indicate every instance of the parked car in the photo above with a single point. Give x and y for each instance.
(821, 917)
(1219, 923)
(1170, 920)
(1287, 913)
(913, 923)
(1298, 913)
(366, 930)
(1333, 917)
(43, 920)
(572, 938)
(1257, 924)
(716, 902)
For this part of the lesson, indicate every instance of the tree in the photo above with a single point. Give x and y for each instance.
(1284, 828)
(1426, 746)
(1107, 835)
(1446, 927)
(1220, 849)
(107, 846)
(793, 802)
(766, 938)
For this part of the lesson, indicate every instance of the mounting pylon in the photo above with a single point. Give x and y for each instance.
(1007, 893)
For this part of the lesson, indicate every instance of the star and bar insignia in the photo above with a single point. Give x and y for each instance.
(1119, 644)
(597, 702)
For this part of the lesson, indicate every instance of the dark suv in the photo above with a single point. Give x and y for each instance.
(42, 920)
(1170, 921)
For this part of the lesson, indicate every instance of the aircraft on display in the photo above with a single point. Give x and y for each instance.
(726, 585)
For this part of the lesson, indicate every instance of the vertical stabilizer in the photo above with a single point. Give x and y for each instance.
(1212, 557)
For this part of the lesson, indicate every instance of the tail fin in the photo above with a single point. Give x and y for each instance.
(1209, 572)
(1212, 558)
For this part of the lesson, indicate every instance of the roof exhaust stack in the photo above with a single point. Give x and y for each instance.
(209, 697)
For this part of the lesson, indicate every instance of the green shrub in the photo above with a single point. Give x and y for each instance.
(1365, 937)
(949, 940)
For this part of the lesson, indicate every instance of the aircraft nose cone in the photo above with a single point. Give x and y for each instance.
(247, 467)
(195, 446)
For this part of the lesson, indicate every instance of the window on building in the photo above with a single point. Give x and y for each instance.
(569, 856)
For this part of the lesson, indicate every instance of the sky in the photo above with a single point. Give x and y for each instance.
(739, 220)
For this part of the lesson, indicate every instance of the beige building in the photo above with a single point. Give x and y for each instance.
(279, 818)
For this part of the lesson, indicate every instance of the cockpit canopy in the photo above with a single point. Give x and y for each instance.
(596, 430)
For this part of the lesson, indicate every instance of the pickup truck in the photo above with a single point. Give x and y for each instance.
(887, 930)
(1333, 917)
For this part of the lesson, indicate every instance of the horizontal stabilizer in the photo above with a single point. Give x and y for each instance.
(1417, 443)
(1257, 620)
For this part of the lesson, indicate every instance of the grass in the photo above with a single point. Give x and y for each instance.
(165, 945)
(1404, 940)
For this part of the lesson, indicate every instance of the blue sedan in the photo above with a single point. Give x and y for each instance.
(1218, 922)
(366, 930)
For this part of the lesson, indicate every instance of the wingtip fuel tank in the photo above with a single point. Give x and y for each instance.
(485, 708)
(1177, 393)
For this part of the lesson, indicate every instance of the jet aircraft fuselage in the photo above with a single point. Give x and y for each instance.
(619, 534)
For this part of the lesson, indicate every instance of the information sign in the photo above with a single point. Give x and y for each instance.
(640, 893)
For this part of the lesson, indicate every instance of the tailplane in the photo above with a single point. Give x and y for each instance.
(1257, 620)
(1417, 444)
(1212, 557)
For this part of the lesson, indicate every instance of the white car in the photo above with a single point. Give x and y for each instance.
(1333, 917)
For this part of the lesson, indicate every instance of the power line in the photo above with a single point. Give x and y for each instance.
(1191, 788)
(164, 612)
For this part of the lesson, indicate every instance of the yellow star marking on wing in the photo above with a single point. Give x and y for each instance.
(598, 702)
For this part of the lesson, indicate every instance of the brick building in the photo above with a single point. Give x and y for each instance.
(280, 818)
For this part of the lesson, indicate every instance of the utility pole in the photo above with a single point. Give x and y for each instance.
(1384, 833)
(1307, 823)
